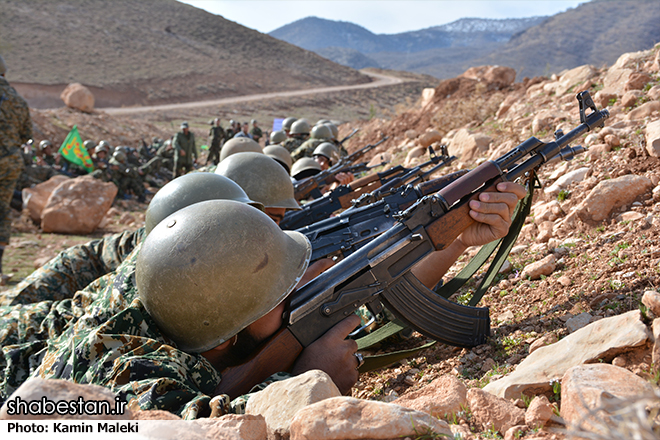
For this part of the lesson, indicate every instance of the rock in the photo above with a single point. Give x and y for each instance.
(653, 138)
(539, 412)
(506, 105)
(603, 98)
(655, 354)
(637, 81)
(567, 179)
(608, 336)
(154, 414)
(651, 299)
(35, 198)
(630, 216)
(549, 211)
(411, 134)
(496, 76)
(516, 432)
(428, 138)
(77, 206)
(244, 427)
(612, 140)
(379, 159)
(348, 418)
(441, 398)
(630, 98)
(469, 146)
(577, 322)
(279, 402)
(615, 80)
(427, 96)
(77, 96)
(591, 394)
(574, 77)
(506, 316)
(547, 339)
(494, 412)
(612, 194)
(57, 390)
(654, 92)
(643, 111)
(414, 154)
(544, 266)
(564, 281)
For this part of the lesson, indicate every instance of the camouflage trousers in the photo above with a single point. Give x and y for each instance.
(11, 167)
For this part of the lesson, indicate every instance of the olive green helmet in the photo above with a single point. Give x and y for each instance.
(277, 137)
(119, 155)
(239, 145)
(263, 179)
(89, 144)
(333, 128)
(300, 127)
(100, 148)
(189, 189)
(321, 132)
(287, 123)
(328, 150)
(44, 144)
(305, 167)
(322, 121)
(280, 154)
(105, 144)
(211, 269)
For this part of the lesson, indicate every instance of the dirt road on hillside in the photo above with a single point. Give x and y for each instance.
(379, 81)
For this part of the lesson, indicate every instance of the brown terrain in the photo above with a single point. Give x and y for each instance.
(601, 267)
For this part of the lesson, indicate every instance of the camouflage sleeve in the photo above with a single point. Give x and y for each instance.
(73, 269)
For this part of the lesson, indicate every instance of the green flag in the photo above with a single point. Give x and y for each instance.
(72, 150)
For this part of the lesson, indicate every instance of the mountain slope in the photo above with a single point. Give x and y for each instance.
(151, 51)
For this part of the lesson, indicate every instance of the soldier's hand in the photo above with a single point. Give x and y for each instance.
(493, 212)
(334, 354)
(344, 178)
(182, 153)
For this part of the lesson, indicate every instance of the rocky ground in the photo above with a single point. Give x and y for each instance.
(588, 253)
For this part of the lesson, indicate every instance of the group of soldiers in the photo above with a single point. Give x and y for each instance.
(158, 314)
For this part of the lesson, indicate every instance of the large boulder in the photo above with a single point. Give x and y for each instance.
(441, 398)
(574, 77)
(35, 198)
(77, 96)
(77, 206)
(495, 76)
(468, 145)
(611, 194)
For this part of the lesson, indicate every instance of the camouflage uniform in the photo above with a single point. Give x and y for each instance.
(306, 148)
(256, 133)
(166, 154)
(73, 269)
(15, 130)
(217, 135)
(104, 336)
(185, 143)
(292, 143)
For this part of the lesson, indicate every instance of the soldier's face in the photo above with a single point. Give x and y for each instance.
(276, 214)
(323, 161)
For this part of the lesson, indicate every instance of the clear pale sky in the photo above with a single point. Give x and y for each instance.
(378, 16)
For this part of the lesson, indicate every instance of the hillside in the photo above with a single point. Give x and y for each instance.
(149, 51)
(594, 33)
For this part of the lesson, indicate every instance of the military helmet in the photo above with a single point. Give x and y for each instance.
(263, 179)
(253, 121)
(184, 124)
(287, 123)
(119, 155)
(304, 168)
(211, 269)
(189, 189)
(44, 144)
(333, 128)
(100, 148)
(328, 150)
(280, 154)
(239, 145)
(105, 143)
(277, 137)
(89, 144)
(321, 132)
(300, 127)
(232, 122)
(3, 66)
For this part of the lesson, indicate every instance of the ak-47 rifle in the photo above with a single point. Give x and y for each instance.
(311, 186)
(344, 196)
(379, 274)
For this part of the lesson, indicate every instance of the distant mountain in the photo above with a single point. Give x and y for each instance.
(595, 33)
(148, 52)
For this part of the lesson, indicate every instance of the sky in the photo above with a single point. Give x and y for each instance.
(378, 16)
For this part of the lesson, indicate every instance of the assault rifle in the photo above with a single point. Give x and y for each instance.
(376, 185)
(311, 186)
(379, 274)
(344, 234)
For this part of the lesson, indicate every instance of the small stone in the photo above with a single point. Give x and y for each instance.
(651, 299)
(564, 281)
(577, 322)
(539, 412)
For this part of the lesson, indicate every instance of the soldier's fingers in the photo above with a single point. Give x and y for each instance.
(343, 328)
